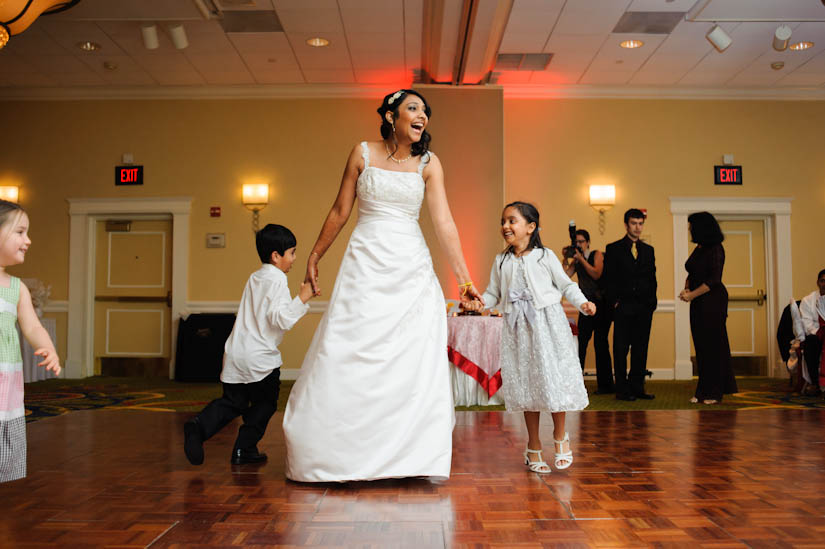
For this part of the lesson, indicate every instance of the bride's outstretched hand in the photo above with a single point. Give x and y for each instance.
(312, 275)
(473, 294)
(471, 298)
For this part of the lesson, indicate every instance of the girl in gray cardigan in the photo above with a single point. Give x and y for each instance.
(540, 366)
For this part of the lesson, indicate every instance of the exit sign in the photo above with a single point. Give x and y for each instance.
(128, 175)
(727, 175)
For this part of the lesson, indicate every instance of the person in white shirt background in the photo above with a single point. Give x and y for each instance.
(812, 310)
(540, 366)
(251, 361)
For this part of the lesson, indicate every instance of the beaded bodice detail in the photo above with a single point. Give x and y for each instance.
(389, 191)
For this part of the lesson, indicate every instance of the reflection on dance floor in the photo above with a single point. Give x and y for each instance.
(692, 478)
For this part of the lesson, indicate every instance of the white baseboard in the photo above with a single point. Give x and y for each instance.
(290, 373)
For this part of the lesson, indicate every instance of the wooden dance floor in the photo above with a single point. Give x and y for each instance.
(660, 479)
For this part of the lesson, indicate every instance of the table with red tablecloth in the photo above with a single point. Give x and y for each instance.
(473, 349)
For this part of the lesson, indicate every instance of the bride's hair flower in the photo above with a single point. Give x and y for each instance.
(395, 96)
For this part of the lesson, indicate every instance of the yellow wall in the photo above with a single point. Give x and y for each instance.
(652, 150)
(547, 150)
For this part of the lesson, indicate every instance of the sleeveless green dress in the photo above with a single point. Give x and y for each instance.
(12, 412)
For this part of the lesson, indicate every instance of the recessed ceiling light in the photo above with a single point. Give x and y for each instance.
(799, 46)
(632, 44)
(89, 46)
(776, 65)
(318, 42)
(109, 66)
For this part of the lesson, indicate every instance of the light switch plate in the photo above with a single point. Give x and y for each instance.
(216, 240)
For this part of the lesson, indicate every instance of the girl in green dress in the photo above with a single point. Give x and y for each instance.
(16, 307)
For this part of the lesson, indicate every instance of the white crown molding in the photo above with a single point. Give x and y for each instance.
(334, 91)
(291, 91)
(173, 205)
(628, 92)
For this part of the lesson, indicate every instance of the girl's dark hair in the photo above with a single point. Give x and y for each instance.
(531, 215)
(9, 212)
(423, 145)
(273, 238)
(704, 229)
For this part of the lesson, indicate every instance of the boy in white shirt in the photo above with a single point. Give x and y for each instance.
(251, 361)
(812, 310)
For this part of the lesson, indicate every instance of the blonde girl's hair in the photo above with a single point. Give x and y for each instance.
(10, 213)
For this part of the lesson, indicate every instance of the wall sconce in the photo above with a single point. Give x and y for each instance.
(10, 193)
(602, 198)
(255, 198)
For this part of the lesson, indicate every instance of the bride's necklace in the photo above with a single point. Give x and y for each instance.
(394, 159)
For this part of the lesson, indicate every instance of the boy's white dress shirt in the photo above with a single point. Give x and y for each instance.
(811, 308)
(266, 312)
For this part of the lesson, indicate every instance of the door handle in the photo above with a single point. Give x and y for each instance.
(760, 297)
(169, 299)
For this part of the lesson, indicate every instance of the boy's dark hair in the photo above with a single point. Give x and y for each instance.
(273, 238)
(821, 274)
(633, 213)
(704, 229)
(584, 233)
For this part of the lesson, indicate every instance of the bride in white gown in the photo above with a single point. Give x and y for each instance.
(373, 398)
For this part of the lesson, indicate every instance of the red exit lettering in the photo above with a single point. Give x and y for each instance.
(728, 175)
(128, 175)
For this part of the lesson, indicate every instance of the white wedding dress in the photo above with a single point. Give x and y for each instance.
(373, 398)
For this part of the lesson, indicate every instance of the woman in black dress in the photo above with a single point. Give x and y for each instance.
(708, 300)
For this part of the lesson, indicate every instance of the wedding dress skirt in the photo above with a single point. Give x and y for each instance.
(373, 398)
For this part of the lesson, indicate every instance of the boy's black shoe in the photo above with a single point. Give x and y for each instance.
(645, 396)
(193, 441)
(240, 457)
(625, 396)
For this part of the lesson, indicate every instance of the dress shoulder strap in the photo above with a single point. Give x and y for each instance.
(365, 154)
(425, 159)
(10, 296)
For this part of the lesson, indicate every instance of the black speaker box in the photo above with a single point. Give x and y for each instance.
(201, 339)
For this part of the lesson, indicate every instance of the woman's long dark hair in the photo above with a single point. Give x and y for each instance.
(423, 145)
(531, 215)
(704, 229)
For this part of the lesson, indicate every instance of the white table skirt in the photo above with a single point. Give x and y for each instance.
(468, 392)
(476, 339)
(31, 370)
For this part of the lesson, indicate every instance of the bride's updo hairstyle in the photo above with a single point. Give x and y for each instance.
(390, 104)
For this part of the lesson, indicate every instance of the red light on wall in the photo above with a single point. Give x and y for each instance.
(215, 211)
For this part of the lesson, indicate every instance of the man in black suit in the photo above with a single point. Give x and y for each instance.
(630, 267)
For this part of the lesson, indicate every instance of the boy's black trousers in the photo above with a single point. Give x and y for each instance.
(256, 402)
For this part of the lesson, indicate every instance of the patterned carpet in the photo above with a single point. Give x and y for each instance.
(55, 396)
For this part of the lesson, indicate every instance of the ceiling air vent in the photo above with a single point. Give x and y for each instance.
(523, 61)
(251, 21)
(648, 22)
